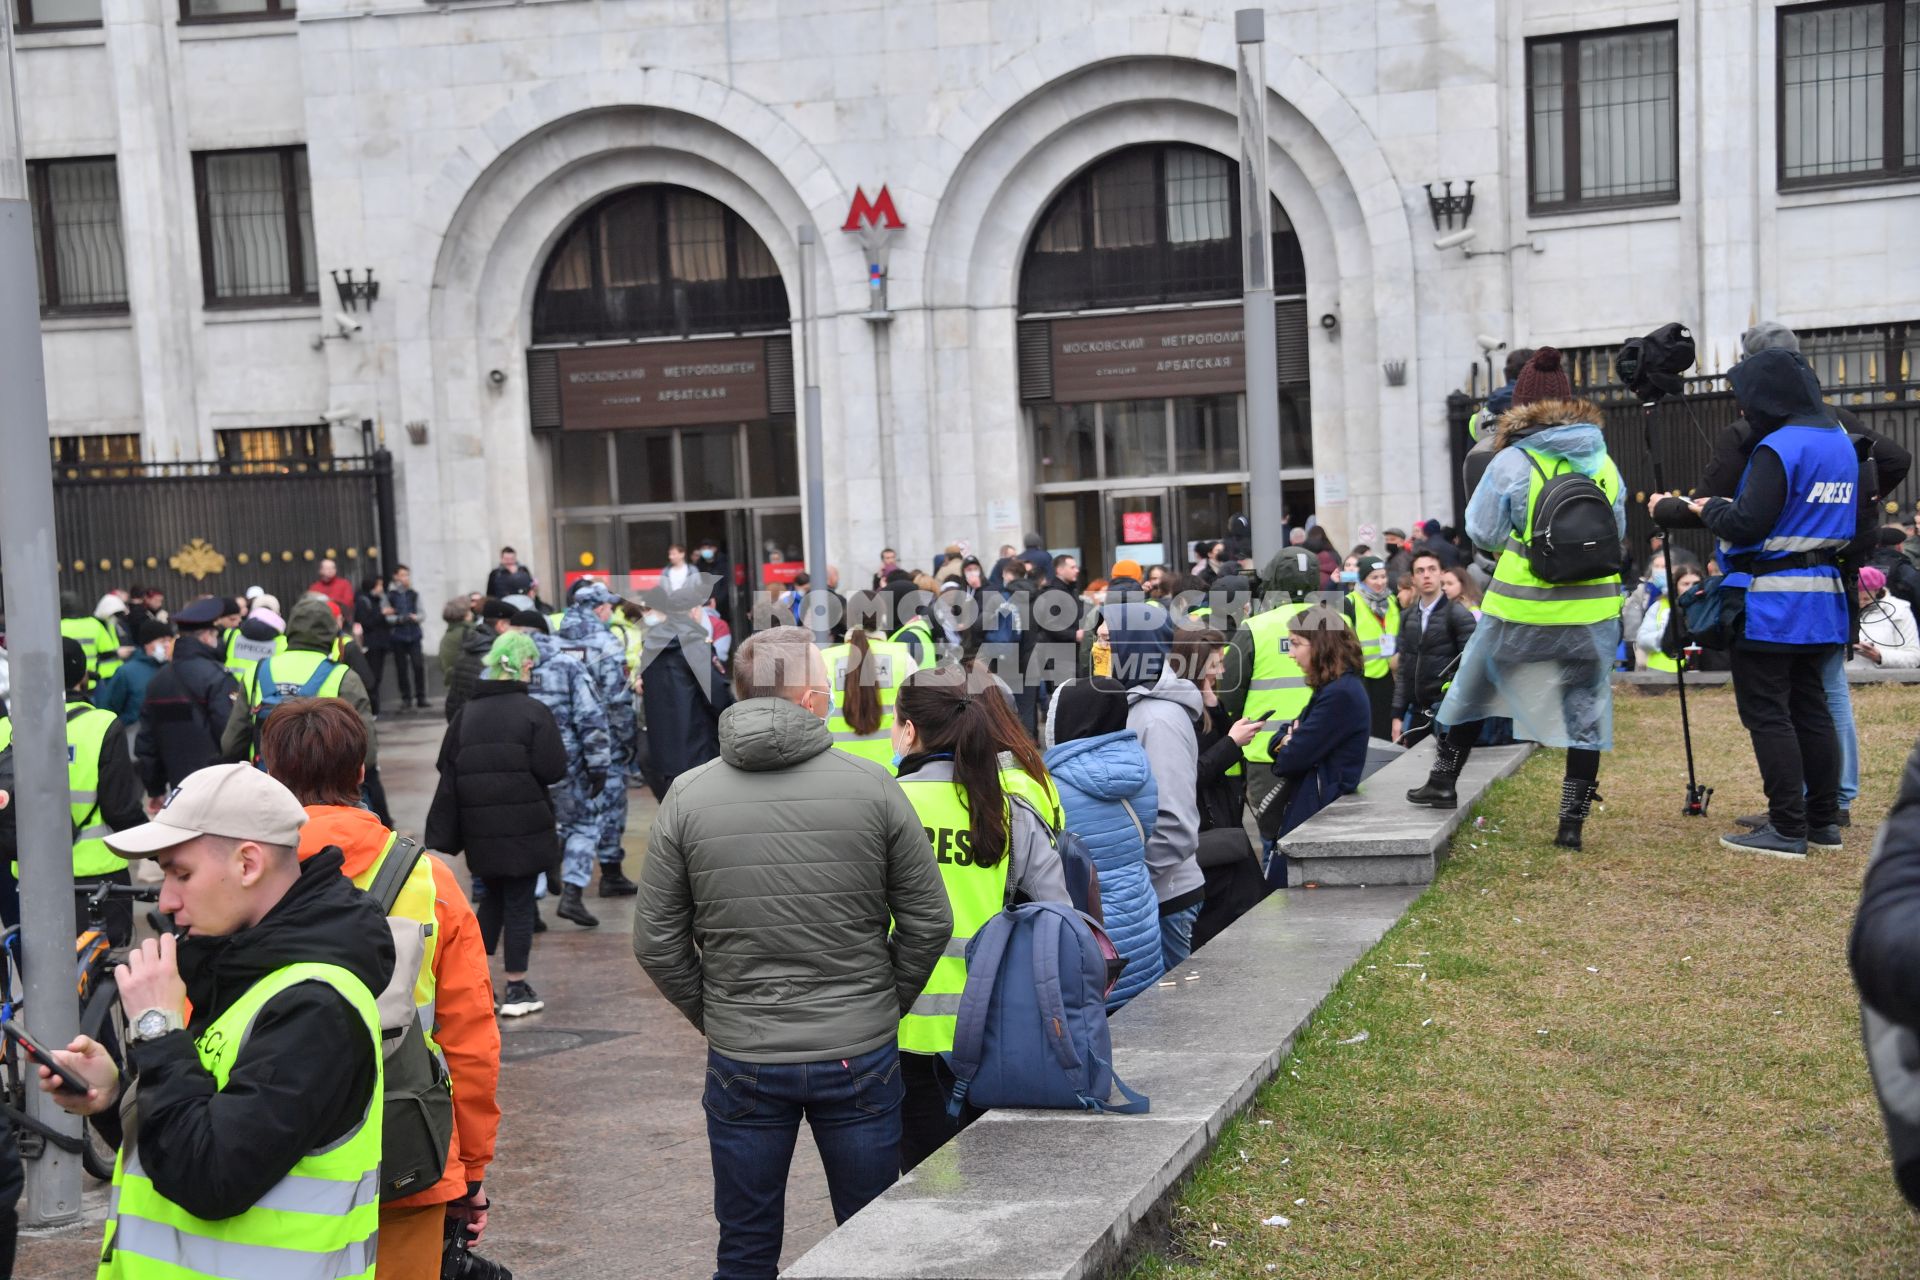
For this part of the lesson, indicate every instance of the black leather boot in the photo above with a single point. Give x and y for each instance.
(571, 908)
(1576, 802)
(614, 882)
(1438, 793)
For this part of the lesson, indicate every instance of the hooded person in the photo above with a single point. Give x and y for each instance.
(1107, 792)
(1543, 651)
(1038, 559)
(99, 637)
(1162, 707)
(496, 615)
(683, 689)
(308, 669)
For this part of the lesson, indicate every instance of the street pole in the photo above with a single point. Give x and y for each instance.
(37, 702)
(1265, 509)
(819, 602)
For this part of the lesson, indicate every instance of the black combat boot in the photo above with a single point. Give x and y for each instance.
(1576, 802)
(571, 908)
(614, 882)
(1438, 793)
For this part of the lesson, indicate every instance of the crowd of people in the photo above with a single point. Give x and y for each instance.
(850, 789)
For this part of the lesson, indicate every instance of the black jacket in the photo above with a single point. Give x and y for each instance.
(1885, 954)
(1903, 580)
(306, 1073)
(497, 760)
(185, 713)
(1429, 651)
(466, 668)
(1220, 795)
(503, 582)
(375, 631)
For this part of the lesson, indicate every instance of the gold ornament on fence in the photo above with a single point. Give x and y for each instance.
(197, 560)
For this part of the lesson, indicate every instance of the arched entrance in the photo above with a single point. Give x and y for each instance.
(1132, 373)
(661, 372)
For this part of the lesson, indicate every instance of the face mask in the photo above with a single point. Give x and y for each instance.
(706, 553)
(898, 760)
(1349, 575)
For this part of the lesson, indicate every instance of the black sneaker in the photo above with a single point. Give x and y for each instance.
(1753, 821)
(1766, 841)
(520, 1001)
(1824, 839)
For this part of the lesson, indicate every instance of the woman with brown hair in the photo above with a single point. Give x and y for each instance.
(989, 841)
(1325, 752)
(867, 673)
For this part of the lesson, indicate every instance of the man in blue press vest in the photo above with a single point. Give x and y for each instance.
(1780, 536)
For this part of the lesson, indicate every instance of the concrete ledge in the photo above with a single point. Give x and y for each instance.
(1376, 837)
(1658, 681)
(1054, 1195)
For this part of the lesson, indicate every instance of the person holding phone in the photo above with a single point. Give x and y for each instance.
(269, 1093)
(1324, 752)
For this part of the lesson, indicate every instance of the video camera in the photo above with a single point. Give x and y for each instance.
(1652, 367)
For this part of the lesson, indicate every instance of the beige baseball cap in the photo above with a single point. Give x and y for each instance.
(236, 801)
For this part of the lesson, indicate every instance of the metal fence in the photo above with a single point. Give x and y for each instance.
(201, 528)
(1683, 431)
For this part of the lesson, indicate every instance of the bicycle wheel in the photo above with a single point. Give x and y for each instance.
(102, 1020)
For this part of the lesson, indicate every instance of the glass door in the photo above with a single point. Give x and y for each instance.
(645, 539)
(1137, 526)
(586, 546)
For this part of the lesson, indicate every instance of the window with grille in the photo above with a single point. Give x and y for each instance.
(100, 455)
(234, 10)
(256, 226)
(1147, 225)
(264, 450)
(1868, 364)
(1849, 92)
(53, 15)
(658, 261)
(1603, 119)
(76, 235)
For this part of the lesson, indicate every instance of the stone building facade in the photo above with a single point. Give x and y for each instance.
(1631, 163)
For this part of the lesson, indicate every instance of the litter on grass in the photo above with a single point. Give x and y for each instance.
(1275, 1221)
(1266, 1124)
(1297, 1203)
(1427, 1023)
(1362, 1037)
(1591, 969)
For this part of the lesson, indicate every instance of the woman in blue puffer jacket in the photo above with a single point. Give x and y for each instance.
(1106, 787)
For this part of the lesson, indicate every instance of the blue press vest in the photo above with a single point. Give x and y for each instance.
(1805, 605)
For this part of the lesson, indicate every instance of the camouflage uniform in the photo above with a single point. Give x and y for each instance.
(562, 683)
(605, 656)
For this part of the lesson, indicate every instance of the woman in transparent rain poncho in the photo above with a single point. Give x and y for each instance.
(1543, 652)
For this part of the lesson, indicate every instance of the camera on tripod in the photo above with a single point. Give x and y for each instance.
(1653, 367)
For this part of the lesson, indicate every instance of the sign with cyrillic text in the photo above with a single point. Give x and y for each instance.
(663, 384)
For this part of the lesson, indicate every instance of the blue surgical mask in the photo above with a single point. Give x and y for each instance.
(898, 760)
(706, 553)
(1349, 575)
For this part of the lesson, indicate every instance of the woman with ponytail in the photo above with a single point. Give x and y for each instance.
(867, 672)
(989, 843)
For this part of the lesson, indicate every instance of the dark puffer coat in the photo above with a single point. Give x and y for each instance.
(499, 756)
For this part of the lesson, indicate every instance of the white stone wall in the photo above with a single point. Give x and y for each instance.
(450, 144)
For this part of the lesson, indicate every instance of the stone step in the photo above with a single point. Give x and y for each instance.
(1055, 1195)
(1376, 837)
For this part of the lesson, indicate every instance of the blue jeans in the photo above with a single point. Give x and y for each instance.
(1833, 679)
(753, 1120)
(1176, 936)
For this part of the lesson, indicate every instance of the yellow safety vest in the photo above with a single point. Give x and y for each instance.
(1657, 660)
(891, 665)
(99, 639)
(1276, 687)
(921, 629)
(241, 653)
(319, 1221)
(87, 728)
(1372, 633)
(290, 672)
(1040, 793)
(1516, 594)
(976, 893)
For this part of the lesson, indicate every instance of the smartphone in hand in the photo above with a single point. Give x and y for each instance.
(69, 1082)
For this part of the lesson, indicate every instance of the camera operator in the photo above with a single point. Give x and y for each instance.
(1793, 512)
(1884, 953)
(1733, 446)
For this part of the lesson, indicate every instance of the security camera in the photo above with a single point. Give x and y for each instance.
(1488, 342)
(497, 377)
(345, 323)
(1454, 239)
(334, 417)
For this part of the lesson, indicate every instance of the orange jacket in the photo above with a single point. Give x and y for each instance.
(463, 998)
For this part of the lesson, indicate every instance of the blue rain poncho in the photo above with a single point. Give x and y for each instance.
(1555, 683)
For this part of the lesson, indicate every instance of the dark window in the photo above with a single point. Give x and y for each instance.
(1603, 120)
(234, 10)
(105, 455)
(773, 459)
(1849, 93)
(256, 226)
(654, 262)
(1063, 442)
(76, 235)
(274, 449)
(645, 463)
(1148, 225)
(1206, 433)
(1864, 365)
(52, 15)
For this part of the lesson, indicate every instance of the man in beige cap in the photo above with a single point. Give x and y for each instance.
(266, 1100)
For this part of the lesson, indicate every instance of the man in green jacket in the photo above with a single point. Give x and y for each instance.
(771, 876)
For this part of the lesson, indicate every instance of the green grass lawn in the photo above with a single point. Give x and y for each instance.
(1638, 1060)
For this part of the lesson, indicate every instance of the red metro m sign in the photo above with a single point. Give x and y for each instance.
(877, 213)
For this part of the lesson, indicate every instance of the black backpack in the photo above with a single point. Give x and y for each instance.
(1574, 537)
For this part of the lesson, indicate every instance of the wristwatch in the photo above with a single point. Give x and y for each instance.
(153, 1024)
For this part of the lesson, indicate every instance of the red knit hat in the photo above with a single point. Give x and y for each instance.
(1542, 379)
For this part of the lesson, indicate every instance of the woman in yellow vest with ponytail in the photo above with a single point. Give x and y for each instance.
(866, 674)
(989, 845)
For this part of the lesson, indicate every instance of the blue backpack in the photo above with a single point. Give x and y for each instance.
(1032, 1029)
(271, 697)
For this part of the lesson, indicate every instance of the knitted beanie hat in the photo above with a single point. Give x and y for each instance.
(1542, 379)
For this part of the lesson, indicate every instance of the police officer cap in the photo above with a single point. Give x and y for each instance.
(73, 661)
(202, 613)
(493, 610)
(532, 620)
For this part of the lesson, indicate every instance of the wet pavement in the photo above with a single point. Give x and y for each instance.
(602, 1161)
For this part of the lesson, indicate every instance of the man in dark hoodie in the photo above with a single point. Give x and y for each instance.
(1782, 532)
(311, 658)
(268, 1096)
